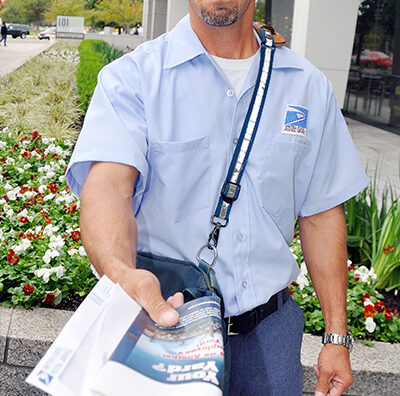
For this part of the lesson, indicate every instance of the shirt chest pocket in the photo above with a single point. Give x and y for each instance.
(180, 182)
(281, 166)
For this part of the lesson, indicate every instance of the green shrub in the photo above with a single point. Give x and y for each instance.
(94, 55)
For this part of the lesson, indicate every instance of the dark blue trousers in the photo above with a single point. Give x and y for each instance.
(266, 361)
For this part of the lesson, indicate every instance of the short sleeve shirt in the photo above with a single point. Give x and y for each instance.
(168, 110)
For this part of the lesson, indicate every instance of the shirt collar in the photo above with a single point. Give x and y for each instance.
(184, 45)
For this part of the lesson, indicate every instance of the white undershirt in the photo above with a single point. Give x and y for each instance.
(235, 70)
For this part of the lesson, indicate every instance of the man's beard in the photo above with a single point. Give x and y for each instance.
(221, 17)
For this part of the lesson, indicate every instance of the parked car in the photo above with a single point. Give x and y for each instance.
(373, 58)
(45, 35)
(18, 30)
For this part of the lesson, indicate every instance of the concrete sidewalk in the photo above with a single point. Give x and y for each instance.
(18, 51)
(378, 149)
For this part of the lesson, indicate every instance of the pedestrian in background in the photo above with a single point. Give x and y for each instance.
(4, 32)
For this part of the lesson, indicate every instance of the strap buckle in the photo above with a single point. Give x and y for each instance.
(228, 327)
(230, 191)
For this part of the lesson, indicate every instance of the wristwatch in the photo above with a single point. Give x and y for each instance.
(339, 339)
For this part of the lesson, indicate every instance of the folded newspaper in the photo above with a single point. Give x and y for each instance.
(111, 347)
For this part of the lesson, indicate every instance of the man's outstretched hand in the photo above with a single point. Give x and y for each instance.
(144, 287)
(333, 371)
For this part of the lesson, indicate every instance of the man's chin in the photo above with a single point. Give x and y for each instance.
(220, 18)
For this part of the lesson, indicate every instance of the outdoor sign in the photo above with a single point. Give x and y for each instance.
(70, 27)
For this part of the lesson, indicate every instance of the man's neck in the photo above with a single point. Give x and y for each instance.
(233, 42)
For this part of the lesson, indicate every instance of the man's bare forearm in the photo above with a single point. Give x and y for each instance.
(108, 226)
(324, 242)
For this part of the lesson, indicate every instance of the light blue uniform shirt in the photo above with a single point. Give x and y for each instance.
(169, 111)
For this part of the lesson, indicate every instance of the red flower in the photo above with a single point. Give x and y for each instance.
(388, 315)
(388, 249)
(379, 306)
(356, 277)
(295, 283)
(11, 258)
(25, 154)
(395, 312)
(49, 298)
(53, 187)
(291, 291)
(351, 268)
(369, 311)
(365, 296)
(15, 146)
(21, 235)
(23, 219)
(76, 236)
(27, 289)
(35, 135)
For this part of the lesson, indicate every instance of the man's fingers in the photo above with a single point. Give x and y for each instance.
(176, 300)
(147, 292)
(316, 369)
(324, 378)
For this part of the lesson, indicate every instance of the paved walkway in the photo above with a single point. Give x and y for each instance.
(378, 149)
(18, 51)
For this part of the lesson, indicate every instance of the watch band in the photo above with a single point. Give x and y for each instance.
(339, 339)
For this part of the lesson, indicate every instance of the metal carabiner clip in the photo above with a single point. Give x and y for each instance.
(210, 247)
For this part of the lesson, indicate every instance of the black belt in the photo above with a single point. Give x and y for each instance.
(249, 320)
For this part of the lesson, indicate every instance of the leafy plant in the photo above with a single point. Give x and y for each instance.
(367, 316)
(94, 55)
(365, 215)
(386, 261)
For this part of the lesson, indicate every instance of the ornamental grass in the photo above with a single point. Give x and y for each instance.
(42, 95)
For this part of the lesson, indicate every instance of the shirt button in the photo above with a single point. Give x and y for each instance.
(235, 141)
(240, 237)
(245, 284)
(230, 92)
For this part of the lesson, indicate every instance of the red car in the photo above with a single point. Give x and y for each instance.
(373, 58)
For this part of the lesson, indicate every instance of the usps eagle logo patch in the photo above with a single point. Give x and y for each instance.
(295, 120)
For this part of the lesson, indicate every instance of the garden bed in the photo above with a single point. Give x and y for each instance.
(42, 260)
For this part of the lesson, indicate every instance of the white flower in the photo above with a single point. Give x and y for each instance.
(23, 213)
(9, 212)
(49, 255)
(2, 144)
(43, 273)
(25, 244)
(27, 166)
(1, 234)
(50, 174)
(349, 262)
(370, 325)
(11, 195)
(2, 201)
(56, 242)
(10, 161)
(49, 230)
(42, 189)
(72, 251)
(8, 186)
(61, 179)
(29, 194)
(20, 170)
(49, 197)
(45, 140)
(59, 271)
(82, 251)
(302, 279)
(372, 274)
(367, 301)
